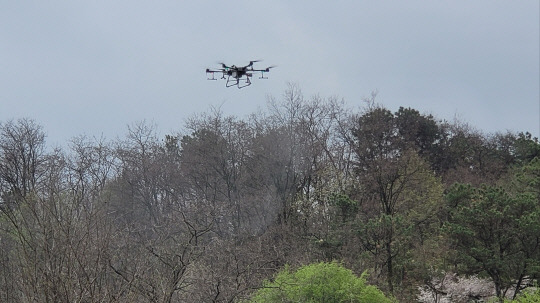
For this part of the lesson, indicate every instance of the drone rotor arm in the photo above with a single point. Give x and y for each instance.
(215, 70)
(266, 70)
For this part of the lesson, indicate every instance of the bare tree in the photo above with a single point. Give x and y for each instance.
(21, 154)
(59, 235)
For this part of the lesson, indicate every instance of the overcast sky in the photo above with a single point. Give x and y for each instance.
(93, 67)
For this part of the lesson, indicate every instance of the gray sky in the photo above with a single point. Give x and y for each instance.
(93, 67)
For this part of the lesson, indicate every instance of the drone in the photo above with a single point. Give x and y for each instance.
(235, 74)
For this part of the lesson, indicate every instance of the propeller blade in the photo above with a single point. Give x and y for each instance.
(268, 68)
(253, 61)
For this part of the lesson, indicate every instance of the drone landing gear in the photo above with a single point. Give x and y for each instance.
(212, 73)
(236, 82)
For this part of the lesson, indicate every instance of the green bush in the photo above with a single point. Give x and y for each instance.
(321, 282)
(527, 297)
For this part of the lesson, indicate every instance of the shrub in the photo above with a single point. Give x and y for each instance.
(321, 282)
(528, 297)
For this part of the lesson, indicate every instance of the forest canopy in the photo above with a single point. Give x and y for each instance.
(211, 212)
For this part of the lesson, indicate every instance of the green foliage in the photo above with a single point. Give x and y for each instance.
(527, 297)
(526, 147)
(346, 205)
(321, 282)
(401, 203)
(527, 179)
(417, 130)
(496, 232)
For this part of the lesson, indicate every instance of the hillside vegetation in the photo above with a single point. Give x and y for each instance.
(214, 212)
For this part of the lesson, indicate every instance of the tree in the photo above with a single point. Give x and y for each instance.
(526, 147)
(220, 167)
(398, 192)
(420, 132)
(465, 155)
(321, 282)
(161, 232)
(21, 155)
(54, 240)
(496, 232)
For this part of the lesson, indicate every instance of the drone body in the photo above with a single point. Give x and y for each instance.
(235, 74)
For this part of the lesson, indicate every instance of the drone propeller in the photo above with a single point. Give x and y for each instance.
(253, 61)
(268, 68)
(223, 65)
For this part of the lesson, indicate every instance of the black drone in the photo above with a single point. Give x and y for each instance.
(234, 74)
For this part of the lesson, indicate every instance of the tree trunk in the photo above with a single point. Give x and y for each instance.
(389, 265)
